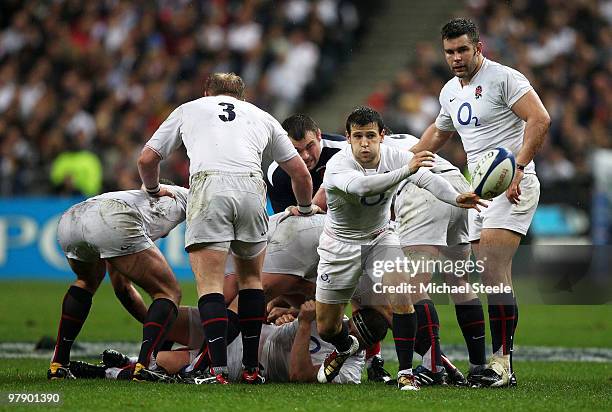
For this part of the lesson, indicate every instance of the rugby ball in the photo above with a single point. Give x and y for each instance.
(493, 173)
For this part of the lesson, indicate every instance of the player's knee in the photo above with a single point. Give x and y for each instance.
(327, 330)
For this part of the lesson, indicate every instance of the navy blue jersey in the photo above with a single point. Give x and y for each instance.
(279, 183)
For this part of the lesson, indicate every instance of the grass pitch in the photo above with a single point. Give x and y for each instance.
(31, 309)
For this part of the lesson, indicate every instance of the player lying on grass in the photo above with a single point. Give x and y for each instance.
(290, 350)
(118, 229)
(290, 272)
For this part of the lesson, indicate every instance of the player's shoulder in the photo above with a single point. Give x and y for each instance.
(402, 141)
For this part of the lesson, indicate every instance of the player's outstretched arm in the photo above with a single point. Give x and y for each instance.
(301, 368)
(443, 190)
(432, 139)
(532, 111)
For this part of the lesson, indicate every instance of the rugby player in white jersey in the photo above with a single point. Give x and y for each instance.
(225, 138)
(359, 183)
(490, 105)
(118, 229)
(431, 230)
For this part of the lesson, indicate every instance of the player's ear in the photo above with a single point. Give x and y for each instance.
(479, 46)
(319, 134)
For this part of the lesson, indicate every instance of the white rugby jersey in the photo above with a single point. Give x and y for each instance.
(406, 141)
(222, 133)
(481, 111)
(350, 216)
(276, 353)
(160, 214)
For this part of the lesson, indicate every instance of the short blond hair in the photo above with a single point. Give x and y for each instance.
(224, 83)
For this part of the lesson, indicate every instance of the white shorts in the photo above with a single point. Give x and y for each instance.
(101, 228)
(423, 219)
(501, 214)
(342, 264)
(223, 207)
(292, 246)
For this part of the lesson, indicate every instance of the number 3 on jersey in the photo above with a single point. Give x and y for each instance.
(229, 109)
(464, 119)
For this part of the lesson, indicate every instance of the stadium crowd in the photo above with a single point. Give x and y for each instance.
(84, 84)
(564, 48)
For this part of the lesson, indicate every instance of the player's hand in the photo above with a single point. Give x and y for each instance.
(286, 318)
(307, 312)
(163, 191)
(470, 200)
(277, 312)
(513, 193)
(421, 159)
(294, 211)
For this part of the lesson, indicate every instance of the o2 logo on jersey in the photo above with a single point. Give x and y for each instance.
(325, 278)
(373, 200)
(229, 109)
(465, 118)
(317, 345)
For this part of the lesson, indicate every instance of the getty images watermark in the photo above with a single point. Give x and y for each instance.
(409, 268)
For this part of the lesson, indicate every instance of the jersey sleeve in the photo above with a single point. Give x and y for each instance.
(281, 148)
(515, 85)
(339, 175)
(444, 121)
(167, 138)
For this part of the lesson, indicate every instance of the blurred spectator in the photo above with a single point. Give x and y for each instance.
(101, 76)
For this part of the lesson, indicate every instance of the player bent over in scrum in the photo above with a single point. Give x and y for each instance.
(119, 228)
(431, 230)
(360, 182)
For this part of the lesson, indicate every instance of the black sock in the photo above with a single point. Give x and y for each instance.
(470, 318)
(160, 317)
(214, 321)
(428, 332)
(516, 317)
(501, 321)
(342, 341)
(252, 314)
(404, 335)
(233, 326)
(75, 309)
(166, 346)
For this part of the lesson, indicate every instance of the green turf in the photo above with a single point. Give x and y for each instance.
(31, 309)
(542, 386)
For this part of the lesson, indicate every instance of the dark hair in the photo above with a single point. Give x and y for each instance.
(371, 324)
(298, 124)
(224, 83)
(364, 115)
(458, 27)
